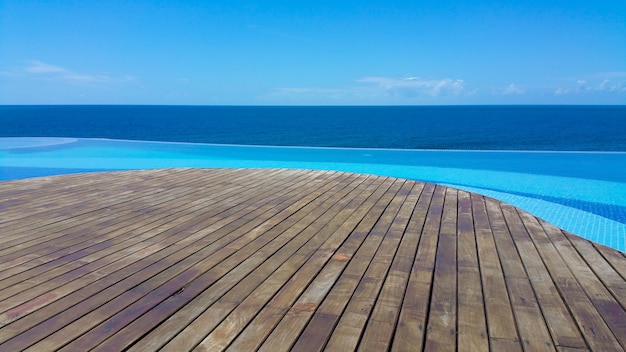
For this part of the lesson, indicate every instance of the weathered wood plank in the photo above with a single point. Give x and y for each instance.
(109, 191)
(381, 324)
(472, 324)
(307, 232)
(531, 323)
(386, 255)
(279, 259)
(562, 326)
(601, 268)
(500, 321)
(616, 258)
(63, 232)
(590, 322)
(442, 317)
(411, 328)
(195, 217)
(119, 312)
(288, 329)
(609, 308)
(311, 224)
(107, 235)
(193, 238)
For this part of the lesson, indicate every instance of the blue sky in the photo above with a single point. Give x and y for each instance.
(279, 52)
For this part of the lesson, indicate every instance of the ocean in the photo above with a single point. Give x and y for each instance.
(555, 128)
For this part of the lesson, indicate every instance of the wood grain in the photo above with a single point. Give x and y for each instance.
(281, 259)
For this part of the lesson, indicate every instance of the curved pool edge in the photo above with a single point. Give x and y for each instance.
(93, 155)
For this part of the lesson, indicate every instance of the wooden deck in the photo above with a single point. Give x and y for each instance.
(202, 259)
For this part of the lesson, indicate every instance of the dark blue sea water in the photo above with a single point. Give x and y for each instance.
(573, 128)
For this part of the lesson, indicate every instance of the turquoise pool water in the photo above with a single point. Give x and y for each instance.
(581, 192)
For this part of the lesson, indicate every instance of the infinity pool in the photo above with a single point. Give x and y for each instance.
(581, 192)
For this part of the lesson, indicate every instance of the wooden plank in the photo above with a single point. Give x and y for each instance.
(590, 322)
(616, 258)
(412, 322)
(387, 304)
(530, 321)
(289, 293)
(352, 319)
(442, 317)
(510, 260)
(611, 279)
(226, 332)
(609, 308)
(137, 188)
(85, 190)
(532, 326)
(500, 321)
(382, 323)
(559, 321)
(123, 232)
(190, 337)
(40, 287)
(159, 290)
(289, 328)
(293, 259)
(571, 349)
(193, 241)
(132, 206)
(379, 331)
(22, 297)
(166, 329)
(472, 324)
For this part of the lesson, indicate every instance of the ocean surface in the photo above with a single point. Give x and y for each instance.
(554, 128)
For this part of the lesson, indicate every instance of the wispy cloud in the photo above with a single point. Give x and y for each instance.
(416, 86)
(41, 69)
(607, 83)
(513, 89)
(377, 88)
(314, 94)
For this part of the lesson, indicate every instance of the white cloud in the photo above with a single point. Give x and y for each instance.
(610, 86)
(377, 89)
(597, 84)
(416, 86)
(314, 94)
(619, 87)
(561, 91)
(40, 67)
(513, 89)
(36, 68)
